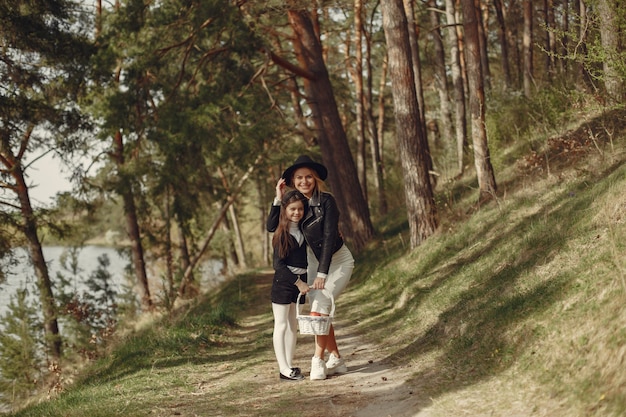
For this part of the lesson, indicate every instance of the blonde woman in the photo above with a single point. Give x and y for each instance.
(330, 262)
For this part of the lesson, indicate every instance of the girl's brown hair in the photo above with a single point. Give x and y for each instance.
(281, 241)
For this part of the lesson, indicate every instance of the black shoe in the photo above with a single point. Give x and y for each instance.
(293, 376)
(297, 371)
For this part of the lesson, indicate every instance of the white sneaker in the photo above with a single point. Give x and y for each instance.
(318, 369)
(335, 365)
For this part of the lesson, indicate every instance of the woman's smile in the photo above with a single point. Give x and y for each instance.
(304, 181)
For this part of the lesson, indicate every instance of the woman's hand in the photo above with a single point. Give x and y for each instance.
(280, 188)
(319, 283)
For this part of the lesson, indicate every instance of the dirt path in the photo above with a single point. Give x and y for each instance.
(371, 388)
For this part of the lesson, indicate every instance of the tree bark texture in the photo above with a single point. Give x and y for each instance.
(375, 130)
(46, 296)
(359, 95)
(355, 220)
(236, 231)
(581, 10)
(611, 43)
(550, 43)
(169, 246)
(564, 39)
(504, 43)
(441, 83)
(380, 135)
(412, 143)
(482, 160)
(482, 42)
(185, 261)
(132, 225)
(527, 48)
(413, 31)
(460, 120)
(13, 167)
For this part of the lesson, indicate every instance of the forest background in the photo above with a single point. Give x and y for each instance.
(191, 110)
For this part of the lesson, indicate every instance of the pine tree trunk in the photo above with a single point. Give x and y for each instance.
(550, 38)
(263, 197)
(238, 238)
(412, 143)
(441, 83)
(460, 123)
(238, 247)
(482, 160)
(359, 104)
(46, 296)
(375, 129)
(564, 39)
(581, 10)
(482, 42)
(231, 260)
(504, 44)
(169, 247)
(527, 48)
(611, 46)
(413, 32)
(188, 288)
(355, 221)
(356, 74)
(132, 227)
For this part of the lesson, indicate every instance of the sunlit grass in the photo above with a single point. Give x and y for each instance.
(531, 284)
(518, 303)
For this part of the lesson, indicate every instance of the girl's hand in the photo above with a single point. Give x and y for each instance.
(302, 286)
(280, 188)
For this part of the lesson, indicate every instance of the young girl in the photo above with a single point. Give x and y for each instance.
(290, 265)
(330, 262)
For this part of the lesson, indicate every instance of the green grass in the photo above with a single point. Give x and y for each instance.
(533, 284)
(520, 301)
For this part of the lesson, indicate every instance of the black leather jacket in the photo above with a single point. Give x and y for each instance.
(320, 227)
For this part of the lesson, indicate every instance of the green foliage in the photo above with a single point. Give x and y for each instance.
(519, 125)
(21, 344)
(88, 306)
(596, 54)
(44, 65)
(507, 290)
(168, 342)
(191, 115)
(526, 289)
(511, 116)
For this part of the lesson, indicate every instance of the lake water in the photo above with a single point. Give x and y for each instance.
(23, 274)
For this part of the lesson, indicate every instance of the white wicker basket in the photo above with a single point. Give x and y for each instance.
(317, 325)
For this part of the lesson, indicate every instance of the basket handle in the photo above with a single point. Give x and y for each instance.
(328, 293)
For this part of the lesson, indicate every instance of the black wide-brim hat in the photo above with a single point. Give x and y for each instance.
(305, 161)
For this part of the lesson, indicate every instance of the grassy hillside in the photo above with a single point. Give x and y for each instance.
(513, 308)
(522, 301)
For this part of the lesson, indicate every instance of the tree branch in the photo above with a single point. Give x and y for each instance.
(290, 67)
(220, 216)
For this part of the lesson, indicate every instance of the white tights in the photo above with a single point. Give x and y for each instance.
(285, 335)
